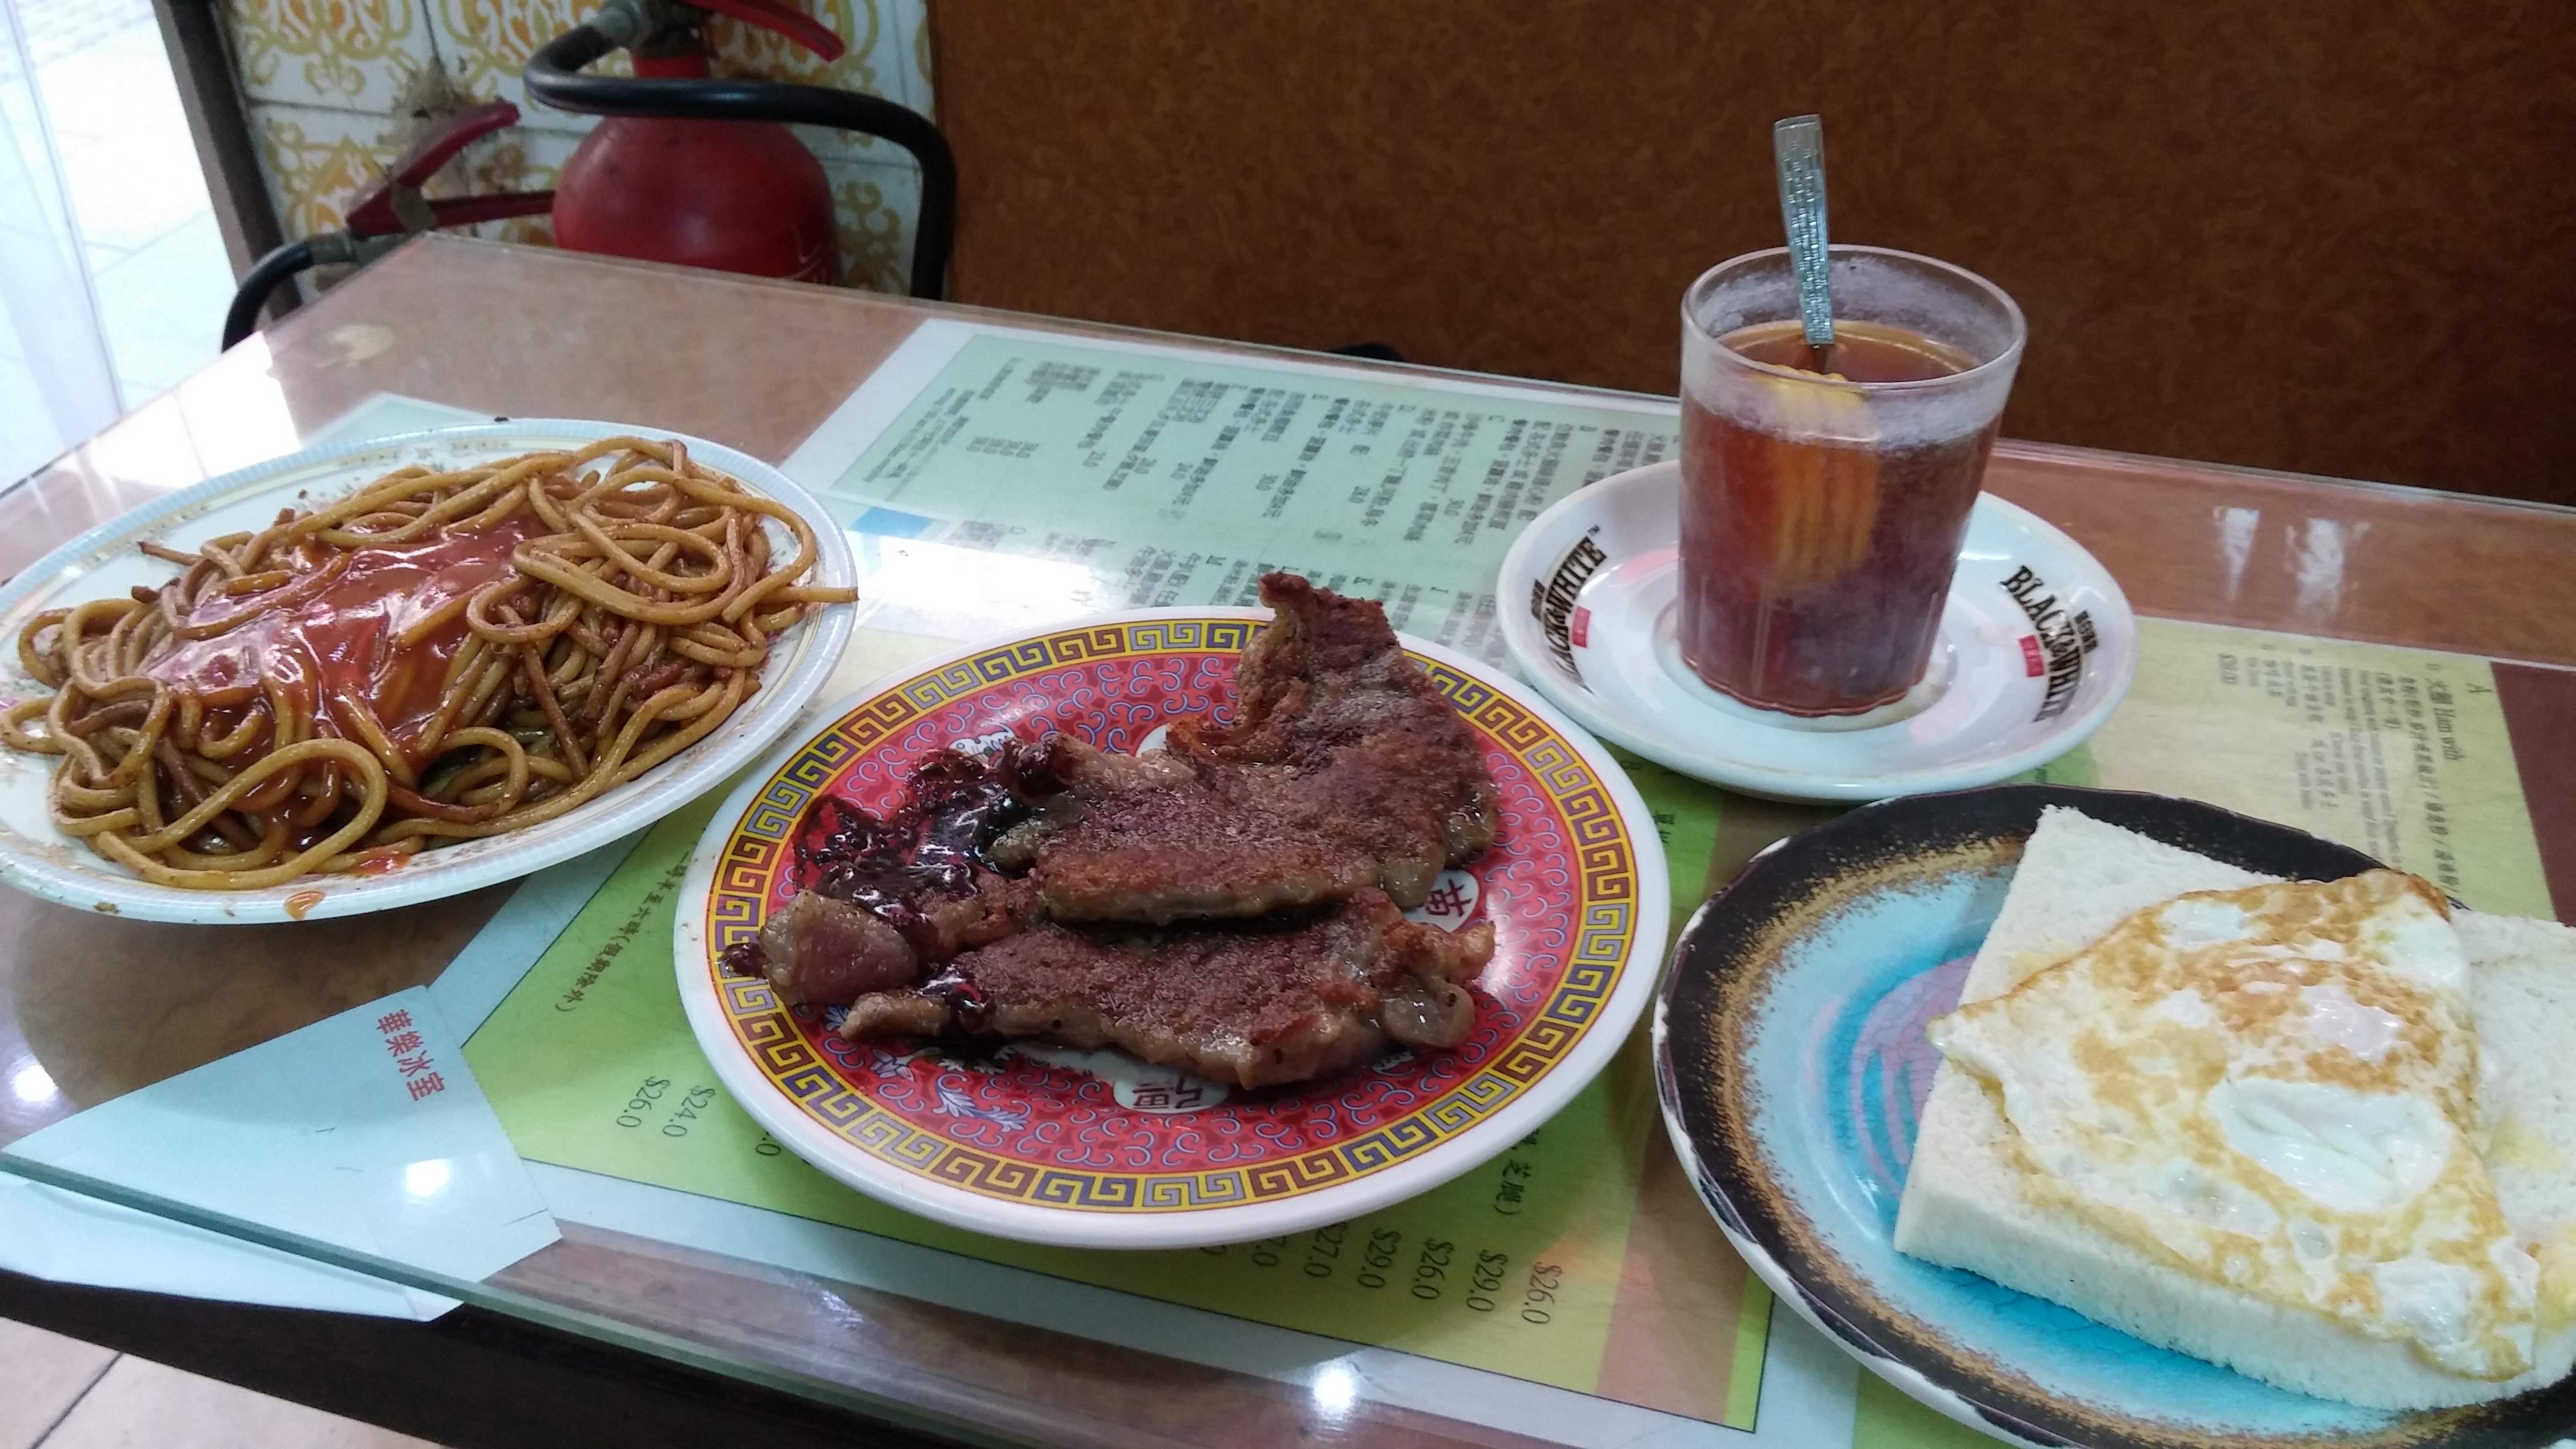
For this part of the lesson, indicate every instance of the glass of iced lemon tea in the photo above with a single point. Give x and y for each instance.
(1823, 497)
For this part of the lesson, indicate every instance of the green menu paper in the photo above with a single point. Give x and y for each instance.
(1182, 482)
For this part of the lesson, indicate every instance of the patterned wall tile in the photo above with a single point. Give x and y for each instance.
(911, 21)
(875, 204)
(485, 43)
(357, 55)
(316, 160)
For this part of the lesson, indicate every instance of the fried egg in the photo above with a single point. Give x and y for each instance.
(2274, 1090)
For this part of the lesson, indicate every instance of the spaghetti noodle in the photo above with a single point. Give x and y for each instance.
(439, 655)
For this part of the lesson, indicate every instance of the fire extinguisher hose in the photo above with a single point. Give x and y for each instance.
(553, 77)
(242, 318)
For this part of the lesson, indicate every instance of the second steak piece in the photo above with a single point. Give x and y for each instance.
(1251, 1003)
(1345, 768)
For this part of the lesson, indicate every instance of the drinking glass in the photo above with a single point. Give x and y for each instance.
(1822, 511)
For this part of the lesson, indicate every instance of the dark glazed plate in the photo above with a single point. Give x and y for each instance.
(1791, 1061)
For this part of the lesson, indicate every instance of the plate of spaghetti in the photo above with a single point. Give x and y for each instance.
(373, 674)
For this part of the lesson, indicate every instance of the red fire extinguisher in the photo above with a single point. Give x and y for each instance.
(699, 170)
(735, 196)
(688, 168)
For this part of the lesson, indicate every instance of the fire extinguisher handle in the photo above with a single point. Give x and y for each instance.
(415, 166)
(394, 204)
(786, 20)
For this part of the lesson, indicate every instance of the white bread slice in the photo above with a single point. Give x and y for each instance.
(1964, 1205)
(2522, 978)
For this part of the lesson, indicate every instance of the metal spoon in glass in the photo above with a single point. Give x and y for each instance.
(1798, 153)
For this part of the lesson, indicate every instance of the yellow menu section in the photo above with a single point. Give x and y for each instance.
(1533, 1265)
(2401, 753)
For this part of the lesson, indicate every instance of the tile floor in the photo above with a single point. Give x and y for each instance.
(65, 1394)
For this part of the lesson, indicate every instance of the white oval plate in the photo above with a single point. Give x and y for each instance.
(2037, 646)
(36, 857)
(1096, 1149)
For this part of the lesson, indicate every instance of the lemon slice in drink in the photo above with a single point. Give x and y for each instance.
(1826, 476)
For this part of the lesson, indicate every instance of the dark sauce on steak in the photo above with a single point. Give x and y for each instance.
(956, 803)
(970, 1008)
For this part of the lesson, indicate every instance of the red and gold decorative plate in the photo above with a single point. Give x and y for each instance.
(1096, 1149)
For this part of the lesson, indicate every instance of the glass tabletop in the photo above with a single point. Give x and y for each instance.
(934, 1334)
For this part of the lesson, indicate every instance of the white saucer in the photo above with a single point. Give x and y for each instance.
(2037, 646)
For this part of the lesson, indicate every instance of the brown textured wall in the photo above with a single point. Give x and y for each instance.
(2334, 237)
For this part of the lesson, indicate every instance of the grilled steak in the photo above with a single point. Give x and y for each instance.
(820, 949)
(1344, 768)
(1253, 1003)
(1230, 904)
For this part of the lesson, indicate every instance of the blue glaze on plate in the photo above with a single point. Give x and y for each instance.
(1830, 1147)
(1791, 1059)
